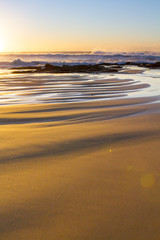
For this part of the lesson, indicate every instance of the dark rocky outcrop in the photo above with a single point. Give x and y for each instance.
(88, 68)
(77, 68)
(146, 65)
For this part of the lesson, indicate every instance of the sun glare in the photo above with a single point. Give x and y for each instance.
(1, 45)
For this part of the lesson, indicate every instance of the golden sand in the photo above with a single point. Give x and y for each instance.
(80, 171)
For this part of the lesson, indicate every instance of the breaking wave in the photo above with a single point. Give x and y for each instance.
(96, 56)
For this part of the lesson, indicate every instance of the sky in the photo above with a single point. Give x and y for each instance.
(79, 25)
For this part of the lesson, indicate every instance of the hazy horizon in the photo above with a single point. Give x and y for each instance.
(80, 51)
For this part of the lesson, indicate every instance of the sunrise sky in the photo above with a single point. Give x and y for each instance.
(73, 25)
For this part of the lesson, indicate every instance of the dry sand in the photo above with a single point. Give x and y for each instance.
(80, 171)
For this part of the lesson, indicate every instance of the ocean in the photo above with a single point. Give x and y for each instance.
(48, 88)
(8, 60)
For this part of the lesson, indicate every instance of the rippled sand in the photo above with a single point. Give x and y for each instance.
(76, 169)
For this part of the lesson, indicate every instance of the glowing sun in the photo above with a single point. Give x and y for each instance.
(1, 45)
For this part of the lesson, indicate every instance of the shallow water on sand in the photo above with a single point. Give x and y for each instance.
(61, 88)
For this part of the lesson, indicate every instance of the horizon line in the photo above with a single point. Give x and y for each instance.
(77, 51)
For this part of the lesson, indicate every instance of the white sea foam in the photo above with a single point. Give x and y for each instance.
(96, 56)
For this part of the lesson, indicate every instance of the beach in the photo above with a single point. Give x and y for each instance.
(80, 120)
(80, 161)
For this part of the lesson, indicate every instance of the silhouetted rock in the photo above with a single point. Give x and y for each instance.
(48, 66)
(88, 68)
(77, 68)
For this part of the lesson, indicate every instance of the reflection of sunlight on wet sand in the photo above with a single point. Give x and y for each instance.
(60, 88)
(147, 181)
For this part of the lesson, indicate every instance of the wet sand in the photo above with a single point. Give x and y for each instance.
(62, 88)
(81, 171)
